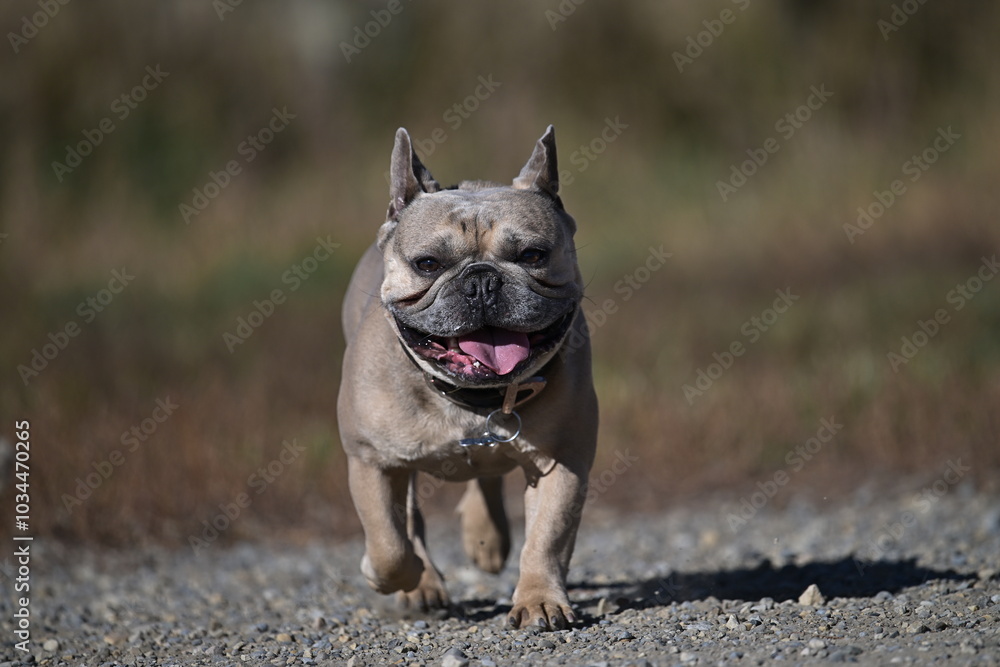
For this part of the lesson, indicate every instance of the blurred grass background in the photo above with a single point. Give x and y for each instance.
(654, 185)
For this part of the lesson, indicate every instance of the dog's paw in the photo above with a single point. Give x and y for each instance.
(389, 577)
(430, 593)
(549, 609)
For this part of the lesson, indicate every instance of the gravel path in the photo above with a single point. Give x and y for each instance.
(681, 587)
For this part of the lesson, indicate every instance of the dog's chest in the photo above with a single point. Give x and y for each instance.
(458, 459)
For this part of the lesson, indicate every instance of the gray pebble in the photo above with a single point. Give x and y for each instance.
(454, 657)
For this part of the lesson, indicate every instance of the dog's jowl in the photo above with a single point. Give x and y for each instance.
(455, 319)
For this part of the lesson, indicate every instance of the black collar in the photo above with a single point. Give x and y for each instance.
(487, 399)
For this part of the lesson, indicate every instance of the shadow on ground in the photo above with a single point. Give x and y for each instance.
(844, 578)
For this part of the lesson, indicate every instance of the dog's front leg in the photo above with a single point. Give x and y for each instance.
(389, 563)
(552, 516)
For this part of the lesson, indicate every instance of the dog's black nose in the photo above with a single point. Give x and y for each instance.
(481, 284)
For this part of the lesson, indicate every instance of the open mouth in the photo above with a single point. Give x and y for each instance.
(486, 354)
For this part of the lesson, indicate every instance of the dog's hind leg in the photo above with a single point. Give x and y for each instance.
(485, 533)
(430, 593)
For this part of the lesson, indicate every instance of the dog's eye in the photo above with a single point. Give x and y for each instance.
(427, 265)
(533, 256)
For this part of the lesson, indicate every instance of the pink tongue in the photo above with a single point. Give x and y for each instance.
(499, 349)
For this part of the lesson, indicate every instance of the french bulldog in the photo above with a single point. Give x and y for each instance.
(457, 365)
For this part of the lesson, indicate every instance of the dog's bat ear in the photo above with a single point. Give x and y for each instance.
(541, 172)
(408, 177)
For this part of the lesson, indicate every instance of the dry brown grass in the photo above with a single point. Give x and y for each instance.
(655, 185)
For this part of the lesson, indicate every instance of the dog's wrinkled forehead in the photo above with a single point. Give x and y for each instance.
(483, 217)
